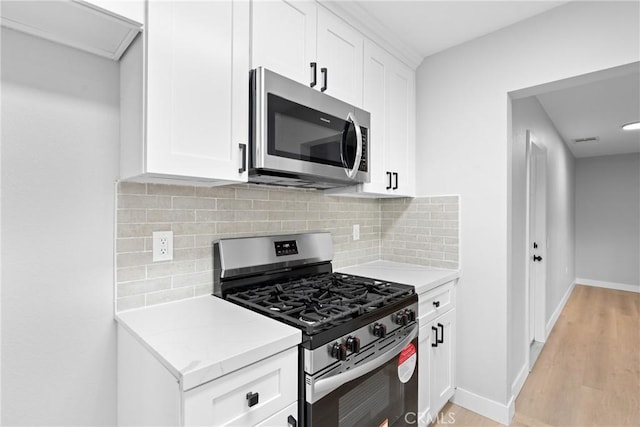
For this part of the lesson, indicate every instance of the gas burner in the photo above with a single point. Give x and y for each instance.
(317, 302)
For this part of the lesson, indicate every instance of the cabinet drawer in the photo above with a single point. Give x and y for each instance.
(435, 302)
(223, 402)
(288, 417)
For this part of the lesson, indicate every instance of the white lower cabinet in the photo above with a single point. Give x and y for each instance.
(261, 394)
(288, 417)
(437, 350)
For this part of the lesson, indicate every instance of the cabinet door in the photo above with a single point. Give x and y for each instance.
(400, 141)
(443, 362)
(340, 52)
(376, 69)
(197, 88)
(284, 37)
(426, 338)
(225, 401)
(288, 417)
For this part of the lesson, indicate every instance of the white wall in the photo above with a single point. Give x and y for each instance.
(59, 162)
(463, 148)
(528, 114)
(608, 219)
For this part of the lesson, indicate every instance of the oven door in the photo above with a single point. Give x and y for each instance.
(384, 393)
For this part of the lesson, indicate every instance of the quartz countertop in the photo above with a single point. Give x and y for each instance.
(421, 277)
(201, 339)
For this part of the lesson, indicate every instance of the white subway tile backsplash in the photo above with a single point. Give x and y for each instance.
(422, 231)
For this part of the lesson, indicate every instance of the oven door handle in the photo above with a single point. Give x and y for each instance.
(326, 385)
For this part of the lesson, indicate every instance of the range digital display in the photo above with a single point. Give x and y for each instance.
(286, 247)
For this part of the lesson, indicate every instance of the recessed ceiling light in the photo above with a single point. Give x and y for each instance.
(631, 126)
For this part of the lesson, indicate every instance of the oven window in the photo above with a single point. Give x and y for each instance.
(378, 398)
(358, 407)
(302, 133)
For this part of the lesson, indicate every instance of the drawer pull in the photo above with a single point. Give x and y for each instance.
(252, 399)
(292, 421)
(436, 304)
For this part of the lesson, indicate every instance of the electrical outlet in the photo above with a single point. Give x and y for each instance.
(162, 246)
(356, 231)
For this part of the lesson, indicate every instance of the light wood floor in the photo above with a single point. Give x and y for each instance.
(589, 371)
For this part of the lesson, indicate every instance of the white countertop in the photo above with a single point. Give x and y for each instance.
(421, 277)
(203, 338)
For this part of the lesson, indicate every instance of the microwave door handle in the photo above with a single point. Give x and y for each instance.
(325, 386)
(351, 173)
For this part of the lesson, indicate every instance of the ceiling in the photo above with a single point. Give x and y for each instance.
(597, 109)
(430, 26)
(578, 109)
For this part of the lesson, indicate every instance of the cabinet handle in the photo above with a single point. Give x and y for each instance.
(291, 421)
(243, 154)
(436, 304)
(314, 73)
(435, 344)
(537, 258)
(252, 399)
(441, 340)
(325, 74)
(389, 186)
(395, 187)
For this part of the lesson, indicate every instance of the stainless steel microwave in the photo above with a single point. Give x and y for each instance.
(304, 138)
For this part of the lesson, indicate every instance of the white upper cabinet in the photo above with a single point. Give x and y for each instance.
(190, 120)
(340, 56)
(284, 37)
(102, 27)
(307, 43)
(389, 97)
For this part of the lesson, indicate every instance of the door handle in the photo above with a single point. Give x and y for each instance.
(395, 187)
(389, 186)
(351, 173)
(325, 74)
(314, 73)
(537, 258)
(243, 154)
(441, 340)
(435, 343)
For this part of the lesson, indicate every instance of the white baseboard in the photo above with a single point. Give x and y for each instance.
(609, 285)
(518, 383)
(556, 314)
(486, 407)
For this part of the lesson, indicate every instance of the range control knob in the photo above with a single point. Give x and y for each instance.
(339, 351)
(401, 318)
(379, 330)
(411, 314)
(353, 344)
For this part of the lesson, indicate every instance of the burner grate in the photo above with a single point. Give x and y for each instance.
(318, 302)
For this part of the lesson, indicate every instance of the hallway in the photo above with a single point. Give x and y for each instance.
(589, 371)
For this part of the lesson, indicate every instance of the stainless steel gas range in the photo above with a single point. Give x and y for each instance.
(358, 357)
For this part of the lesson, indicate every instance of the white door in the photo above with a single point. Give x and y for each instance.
(400, 126)
(283, 37)
(537, 241)
(376, 70)
(340, 49)
(197, 88)
(443, 361)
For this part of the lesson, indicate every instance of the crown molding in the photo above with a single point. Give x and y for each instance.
(354, 14)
